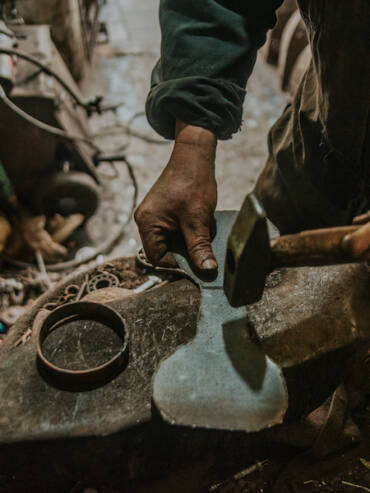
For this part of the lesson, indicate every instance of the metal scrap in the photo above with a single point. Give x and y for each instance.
(82, 289)
(72, 292)
(10, 285)
(36, 279)
(42, 268)
(92, 377)
(12, 292)
(353, 485)
(18, 293)
(103, 280)
(150, 283)
(221, 379)
(107, 276)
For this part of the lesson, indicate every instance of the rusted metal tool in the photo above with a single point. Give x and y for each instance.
(251, 255)
(220, 379)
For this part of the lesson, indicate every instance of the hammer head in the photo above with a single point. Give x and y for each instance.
(248, 255)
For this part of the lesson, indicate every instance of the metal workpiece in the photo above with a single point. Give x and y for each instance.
(220, 379)
(150, 283)
(82, 378)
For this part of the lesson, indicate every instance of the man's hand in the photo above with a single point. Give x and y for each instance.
(357, 244)
(183, 199)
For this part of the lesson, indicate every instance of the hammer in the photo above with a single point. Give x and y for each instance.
(251, 255)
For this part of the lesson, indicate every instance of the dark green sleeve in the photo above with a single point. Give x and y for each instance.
(208, 52)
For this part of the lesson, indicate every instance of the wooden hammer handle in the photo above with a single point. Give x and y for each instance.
(315, 247)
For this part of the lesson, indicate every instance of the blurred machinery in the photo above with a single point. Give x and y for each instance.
(74, 26)
(45, 143)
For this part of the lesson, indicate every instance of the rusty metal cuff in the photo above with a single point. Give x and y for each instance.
(92, 377)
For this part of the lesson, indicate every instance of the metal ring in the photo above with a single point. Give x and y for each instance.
(102, 280)
(72, 289)
(92, 377)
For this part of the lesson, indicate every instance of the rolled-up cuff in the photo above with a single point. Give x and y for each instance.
(210, 103)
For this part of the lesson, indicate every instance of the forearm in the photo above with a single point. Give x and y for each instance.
(202, 138)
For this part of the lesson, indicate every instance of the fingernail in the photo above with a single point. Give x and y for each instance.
(209, 264)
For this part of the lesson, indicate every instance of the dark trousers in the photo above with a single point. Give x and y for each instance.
(318, 170)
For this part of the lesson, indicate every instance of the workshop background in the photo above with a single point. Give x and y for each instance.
(116, 62)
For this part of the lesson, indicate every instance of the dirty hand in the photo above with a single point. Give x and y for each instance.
(357, 244)
(183, 199)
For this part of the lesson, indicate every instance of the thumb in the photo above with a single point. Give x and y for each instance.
(198, 243)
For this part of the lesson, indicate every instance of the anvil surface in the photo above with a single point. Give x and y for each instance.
(221, 379)
(307, 322)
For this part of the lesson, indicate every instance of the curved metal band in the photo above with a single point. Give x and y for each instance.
(83, 310)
